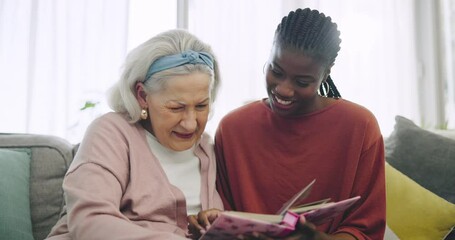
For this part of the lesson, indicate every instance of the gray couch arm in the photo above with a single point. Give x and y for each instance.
(51, 157)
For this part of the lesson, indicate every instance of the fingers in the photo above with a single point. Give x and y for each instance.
(198, 224)
(304, 231)
(194, 227)
(310, 225)
(203, 219)
(193, 222)
(304, 224)
(206, 217)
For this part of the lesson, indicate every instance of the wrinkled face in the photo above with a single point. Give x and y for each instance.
(293, 80)
(179, 112)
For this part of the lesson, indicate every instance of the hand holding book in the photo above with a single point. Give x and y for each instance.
(197, 224)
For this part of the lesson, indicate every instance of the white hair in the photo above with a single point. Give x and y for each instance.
(122, 96)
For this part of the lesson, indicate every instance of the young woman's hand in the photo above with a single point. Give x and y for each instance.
(198, 224)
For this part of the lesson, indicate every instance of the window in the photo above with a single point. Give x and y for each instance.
(55, 56)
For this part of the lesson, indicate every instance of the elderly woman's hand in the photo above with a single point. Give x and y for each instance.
(198, 224)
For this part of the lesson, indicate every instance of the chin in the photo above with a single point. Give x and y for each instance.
(179, 148)
(183, 146)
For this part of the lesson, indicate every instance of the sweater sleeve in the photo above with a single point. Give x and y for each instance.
(222, 177)
(367, 221)
(94, 186)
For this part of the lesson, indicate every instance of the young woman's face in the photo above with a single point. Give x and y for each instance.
(179, 112)
(293, 80)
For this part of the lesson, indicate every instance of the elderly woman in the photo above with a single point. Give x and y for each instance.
(141, 170)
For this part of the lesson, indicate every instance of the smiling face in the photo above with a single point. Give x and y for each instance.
(293, 80)
(179, 112)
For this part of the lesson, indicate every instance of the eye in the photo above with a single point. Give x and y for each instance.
(275, 72)
(176, 109)
(302, 83)
(202, 106)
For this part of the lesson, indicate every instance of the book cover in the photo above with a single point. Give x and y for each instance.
(232, 223)
(327, 211)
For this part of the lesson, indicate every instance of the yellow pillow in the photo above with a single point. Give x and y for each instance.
(413, 212)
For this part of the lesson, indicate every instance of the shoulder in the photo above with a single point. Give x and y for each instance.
(354, 113)
(113, 129)
(359, 118)
(206, 141)
(106, 148)
(107, 142)
(111, 118)
(111, 123)
(354, 109)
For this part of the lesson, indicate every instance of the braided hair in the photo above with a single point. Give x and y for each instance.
(315, 35)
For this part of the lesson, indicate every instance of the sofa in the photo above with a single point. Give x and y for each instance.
(420, 182)
(419, 178)
(32, 168)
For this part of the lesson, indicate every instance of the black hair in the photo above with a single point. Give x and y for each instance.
(315, 35)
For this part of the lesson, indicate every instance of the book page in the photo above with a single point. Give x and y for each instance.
(329, 210)
(269, 218)
(297, 198)
(310, 206)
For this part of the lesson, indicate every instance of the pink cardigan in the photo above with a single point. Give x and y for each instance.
(116, 188)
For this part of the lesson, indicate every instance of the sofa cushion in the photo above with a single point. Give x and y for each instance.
(50, 158)
(426, 157)
(15, 220)
(413, 212)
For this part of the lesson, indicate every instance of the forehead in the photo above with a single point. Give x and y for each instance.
(184, 86)
(295, 60)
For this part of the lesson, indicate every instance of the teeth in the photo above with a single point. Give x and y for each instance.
(280, 101)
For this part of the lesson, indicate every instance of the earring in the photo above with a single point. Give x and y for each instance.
(264, 67)
(325, 88)
(144, 114)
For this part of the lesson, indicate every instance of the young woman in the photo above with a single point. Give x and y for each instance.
(269, 149)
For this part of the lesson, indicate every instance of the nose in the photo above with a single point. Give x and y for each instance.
(189, 121)
(285, 89)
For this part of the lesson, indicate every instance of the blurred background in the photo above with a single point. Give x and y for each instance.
(58, 57)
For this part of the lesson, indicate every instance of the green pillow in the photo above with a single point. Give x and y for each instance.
(15, 217)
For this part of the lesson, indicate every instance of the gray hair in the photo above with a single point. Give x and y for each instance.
(122, 96)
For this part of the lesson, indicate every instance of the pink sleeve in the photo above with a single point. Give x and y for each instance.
(93, 195)
(94, 186)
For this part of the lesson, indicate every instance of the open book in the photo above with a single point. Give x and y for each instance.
(232, 223)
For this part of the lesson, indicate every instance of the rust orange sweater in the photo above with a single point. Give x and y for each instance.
(264, 159)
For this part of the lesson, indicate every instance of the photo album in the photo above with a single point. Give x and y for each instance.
(233, 223)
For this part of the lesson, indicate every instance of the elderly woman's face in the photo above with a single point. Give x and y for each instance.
(179, 112)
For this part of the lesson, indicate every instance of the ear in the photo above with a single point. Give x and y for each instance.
(141, 95)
